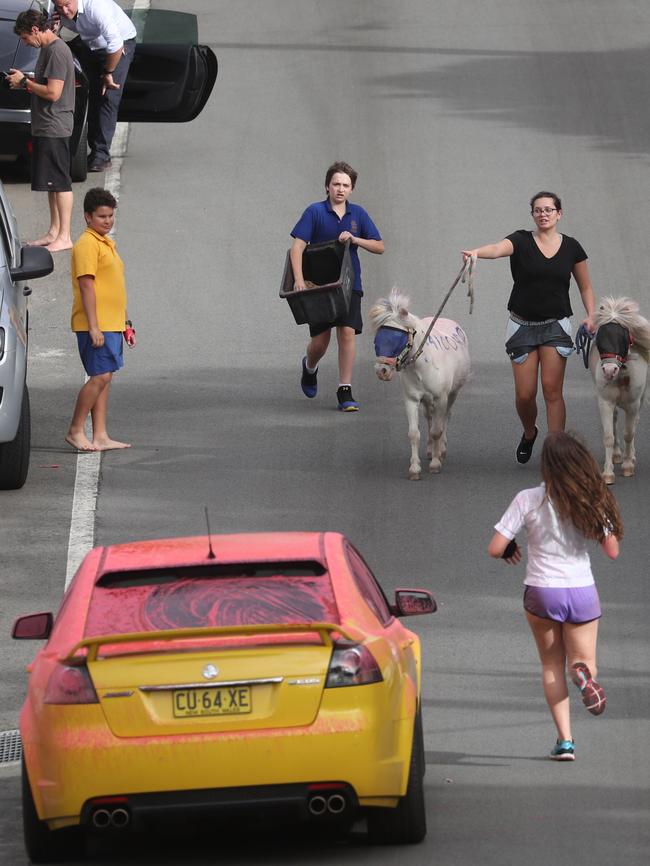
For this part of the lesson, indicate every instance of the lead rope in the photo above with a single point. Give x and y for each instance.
(465, 275)
(584, 340)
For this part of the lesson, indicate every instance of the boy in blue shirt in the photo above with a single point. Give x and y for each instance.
(335, 218)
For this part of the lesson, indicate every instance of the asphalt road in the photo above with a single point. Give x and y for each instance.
(454, 112)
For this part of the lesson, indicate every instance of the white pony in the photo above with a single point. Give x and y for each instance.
(618, 362)
(433, 378)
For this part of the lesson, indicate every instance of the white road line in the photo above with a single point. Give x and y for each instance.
(84, 501)
(86, 485)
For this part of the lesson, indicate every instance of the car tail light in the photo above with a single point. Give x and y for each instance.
(352, 665)
(70, 685)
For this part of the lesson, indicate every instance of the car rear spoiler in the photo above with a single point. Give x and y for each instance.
(92, 644)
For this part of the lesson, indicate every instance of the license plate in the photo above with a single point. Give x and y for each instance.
(226, 701)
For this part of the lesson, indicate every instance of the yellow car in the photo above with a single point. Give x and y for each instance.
(198, 676)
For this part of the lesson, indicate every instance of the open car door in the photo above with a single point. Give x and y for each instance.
(171, 75)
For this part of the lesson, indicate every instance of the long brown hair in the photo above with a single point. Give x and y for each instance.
(576, 488)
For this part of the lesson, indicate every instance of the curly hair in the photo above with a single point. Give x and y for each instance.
(98, 197)
(575, 486)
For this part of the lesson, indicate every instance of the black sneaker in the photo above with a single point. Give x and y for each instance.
(99, 165)
(308, 381)
(525, 448)
(347, 403)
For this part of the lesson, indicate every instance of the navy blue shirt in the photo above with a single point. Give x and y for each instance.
(319, 223)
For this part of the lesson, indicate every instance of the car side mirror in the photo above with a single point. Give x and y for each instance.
(34, 262)
(34, 626)
(412, 602)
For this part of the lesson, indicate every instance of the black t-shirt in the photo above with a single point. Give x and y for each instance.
(541, 285)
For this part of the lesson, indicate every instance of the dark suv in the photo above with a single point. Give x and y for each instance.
(170, 79)
(15, 116)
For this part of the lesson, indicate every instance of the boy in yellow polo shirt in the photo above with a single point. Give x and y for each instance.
(99, 319)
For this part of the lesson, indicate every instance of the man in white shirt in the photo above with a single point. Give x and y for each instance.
(107, 37)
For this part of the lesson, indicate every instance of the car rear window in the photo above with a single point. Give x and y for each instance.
(205, 596)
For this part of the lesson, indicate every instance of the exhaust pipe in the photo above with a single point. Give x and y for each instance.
(336, 803)
(317, 805)
(120, 818)
(101, 818)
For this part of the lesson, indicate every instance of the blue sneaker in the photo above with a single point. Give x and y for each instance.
(563, 750)
(347, 403)
(308, 381)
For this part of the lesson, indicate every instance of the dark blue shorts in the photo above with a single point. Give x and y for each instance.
(107, 358)
(575, 604)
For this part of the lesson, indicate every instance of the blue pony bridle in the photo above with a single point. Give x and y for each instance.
(393, 345)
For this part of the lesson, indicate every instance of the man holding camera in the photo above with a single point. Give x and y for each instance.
(52, 119)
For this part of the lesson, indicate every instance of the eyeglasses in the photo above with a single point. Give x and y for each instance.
(538, 211)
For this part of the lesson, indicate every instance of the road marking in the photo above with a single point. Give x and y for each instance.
(86, 484)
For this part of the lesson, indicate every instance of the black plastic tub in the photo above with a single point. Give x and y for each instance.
(328, 266)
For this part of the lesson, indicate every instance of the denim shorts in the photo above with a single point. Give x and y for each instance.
(105, 359)
(521, 339)
(576, 604)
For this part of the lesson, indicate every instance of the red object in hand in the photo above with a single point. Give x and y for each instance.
(129, 335)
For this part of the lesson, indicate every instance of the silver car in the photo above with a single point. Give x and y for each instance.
(17, 264)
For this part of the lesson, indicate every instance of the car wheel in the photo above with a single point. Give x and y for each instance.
(42, 844)
(14, 455)
(79, 159)
(406, 824)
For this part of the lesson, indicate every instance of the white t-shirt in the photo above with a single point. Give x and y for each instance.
(557, 552)
(101, 24)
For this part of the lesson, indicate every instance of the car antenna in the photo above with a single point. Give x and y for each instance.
(207, 520)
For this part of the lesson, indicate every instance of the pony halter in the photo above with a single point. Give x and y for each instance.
(393, 345)
(613, 342)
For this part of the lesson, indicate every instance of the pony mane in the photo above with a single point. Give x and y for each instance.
(625, 311)
(394, 308)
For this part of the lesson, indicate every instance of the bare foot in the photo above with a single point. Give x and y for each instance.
(42, 242)
(80, 442)
(58, 245)
(107, 444)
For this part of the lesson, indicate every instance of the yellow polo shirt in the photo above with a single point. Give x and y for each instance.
(95, 255)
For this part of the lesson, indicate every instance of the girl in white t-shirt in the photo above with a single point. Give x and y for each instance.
(572, 508)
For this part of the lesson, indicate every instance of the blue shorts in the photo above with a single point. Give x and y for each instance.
(575, 604)
(107, 358)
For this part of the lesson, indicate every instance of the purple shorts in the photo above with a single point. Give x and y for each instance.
(573, 604)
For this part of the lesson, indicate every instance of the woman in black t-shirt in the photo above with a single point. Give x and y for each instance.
(539, 329)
